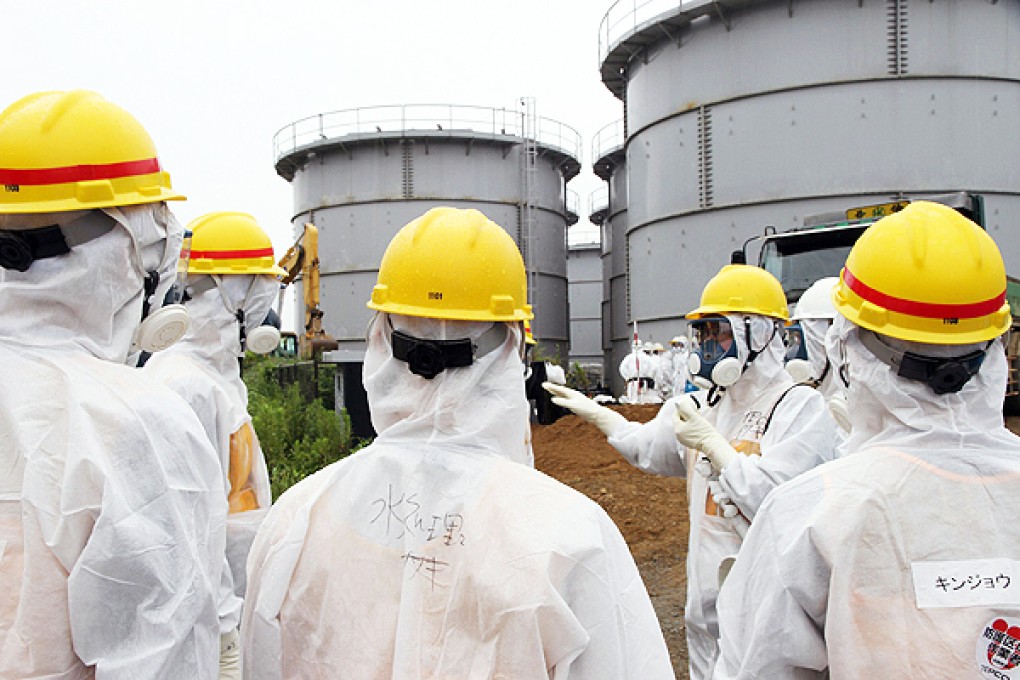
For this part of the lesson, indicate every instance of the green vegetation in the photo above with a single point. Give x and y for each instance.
(577, 378)
(291, 405)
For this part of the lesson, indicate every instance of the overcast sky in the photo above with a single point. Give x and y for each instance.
(212, 81)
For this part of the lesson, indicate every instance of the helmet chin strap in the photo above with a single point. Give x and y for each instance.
(753, 354)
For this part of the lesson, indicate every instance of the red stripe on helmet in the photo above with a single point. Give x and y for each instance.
(928, 310)
(78, 173)
(231, 254)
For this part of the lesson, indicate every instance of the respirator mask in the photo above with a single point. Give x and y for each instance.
(256, 302)
(944, 375)
(838, 404)
(23, 241)
(714, 358)
(266, 337)
(252, 312)
(428, 358)
(807, 360)
(162, 260)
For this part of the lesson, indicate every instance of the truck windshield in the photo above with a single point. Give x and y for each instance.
(798, 259)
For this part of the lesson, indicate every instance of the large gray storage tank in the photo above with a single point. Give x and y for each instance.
(362, 174)
(584, 280)
(746, 113)
(609, 211)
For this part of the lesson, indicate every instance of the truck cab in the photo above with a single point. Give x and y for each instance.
(801, 256)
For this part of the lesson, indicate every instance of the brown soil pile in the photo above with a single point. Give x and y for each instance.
(651, 511)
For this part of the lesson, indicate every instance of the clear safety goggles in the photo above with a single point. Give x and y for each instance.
(713, 339)
(795, 347)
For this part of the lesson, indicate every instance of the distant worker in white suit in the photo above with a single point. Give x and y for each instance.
(232, 282)
(640, 369)
(679, 353)
(759, 429)
(438, 551)
(663, 371)
(900, 559)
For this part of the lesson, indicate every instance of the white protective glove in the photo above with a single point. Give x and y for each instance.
(601, 417)
(722, 499)
(230, 656)
(694, 432)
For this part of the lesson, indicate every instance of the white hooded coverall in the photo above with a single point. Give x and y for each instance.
(831, 386)
(436, 552)
(636, 366)
(898, 559)
(203, 368)
(111, 509)
(799, 436)
(679, 359)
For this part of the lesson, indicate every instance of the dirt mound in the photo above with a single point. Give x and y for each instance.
(651, 511)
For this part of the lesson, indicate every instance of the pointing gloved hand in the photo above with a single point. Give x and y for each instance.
(601, 417)
(694, 432)
(230, 656)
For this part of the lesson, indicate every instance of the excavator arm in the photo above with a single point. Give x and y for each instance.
(302, 259)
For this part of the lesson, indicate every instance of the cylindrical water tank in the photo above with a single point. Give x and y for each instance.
(609, 163)
(360, 175)
(765, 112)
(584, 279)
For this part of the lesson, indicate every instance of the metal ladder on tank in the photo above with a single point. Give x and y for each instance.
(528, 207)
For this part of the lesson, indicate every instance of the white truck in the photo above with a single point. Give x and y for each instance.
(799, 257)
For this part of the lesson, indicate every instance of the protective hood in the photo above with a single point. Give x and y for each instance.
(888, 410)
(819, 364)
(212, 339)
(814, 331)
(765, 375)
(254, 294)
(91, 297)
(481, 406)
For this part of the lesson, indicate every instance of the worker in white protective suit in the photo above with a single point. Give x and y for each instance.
(232, 282)
(436, 551)
(758, 430)
(640, 370)
(111, 513)
(899, 559)
(664, 372)
(680, 352)
(807, 359)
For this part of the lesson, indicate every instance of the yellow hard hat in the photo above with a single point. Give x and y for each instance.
(742, 289)
(230, 243)
(925, 274)
(453, 264)
(529, 337)
(74, 150)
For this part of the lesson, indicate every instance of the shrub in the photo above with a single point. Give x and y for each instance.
(577, 378)
(298, 436)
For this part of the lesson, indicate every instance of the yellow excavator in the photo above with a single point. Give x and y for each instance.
(302, 259)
